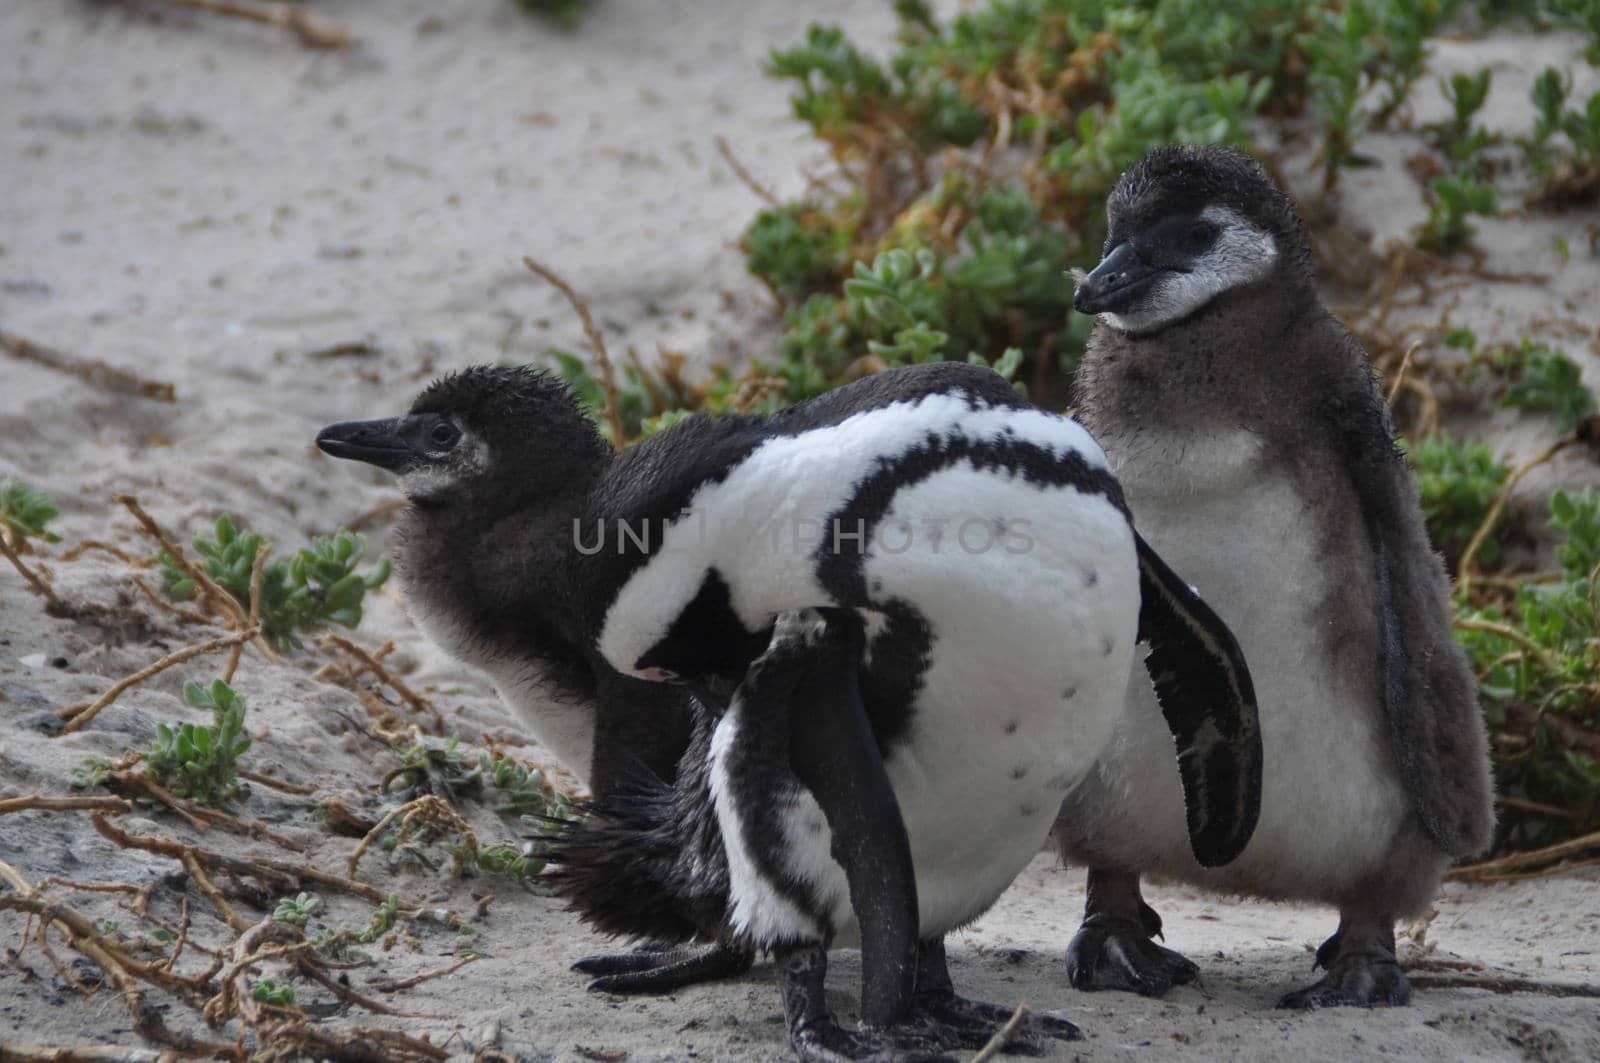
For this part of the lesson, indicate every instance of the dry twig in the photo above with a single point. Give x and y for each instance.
(281, 876)
(97, 373)
(1003, 1036)
(372, 664)
(761, 191)
(38, 802)
(124, 972)
(1468, 564)
(608, 376)
(10, 1050)
(79, 715)
(34, 580)
(257, 577)
(418, 979)
(425, 809)
(313, 31)
(1531, 858)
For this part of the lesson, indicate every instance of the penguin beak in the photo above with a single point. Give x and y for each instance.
(1115, 284)
(381, 443)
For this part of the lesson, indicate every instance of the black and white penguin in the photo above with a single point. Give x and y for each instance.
(981, 593)
(938, 522)
(1253, 440)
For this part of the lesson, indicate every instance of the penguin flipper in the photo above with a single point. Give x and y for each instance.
(1205, 692)
(1429, 694)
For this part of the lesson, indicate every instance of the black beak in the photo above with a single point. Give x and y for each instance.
(1115, 283)
(380, 443)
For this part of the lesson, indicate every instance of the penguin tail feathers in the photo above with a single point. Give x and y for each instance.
(617, 864)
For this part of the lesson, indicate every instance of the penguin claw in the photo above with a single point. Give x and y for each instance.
(1113, 952)
(1355, 982)
(657, 970)
(825, 1041)
(961, 1023)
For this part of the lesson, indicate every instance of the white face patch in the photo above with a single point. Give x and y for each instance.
(1242, 254)
(469, 457)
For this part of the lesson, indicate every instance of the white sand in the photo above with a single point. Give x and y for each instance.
(204, 202)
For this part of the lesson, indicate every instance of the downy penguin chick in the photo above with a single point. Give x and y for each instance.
(979, 591)
(496, 464)
(1253, 440)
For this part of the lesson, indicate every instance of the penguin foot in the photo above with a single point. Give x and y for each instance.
(657, 970)
(822, 1040)
(957, 1022)
(1115, 952)
(1355, 983)
(1362, 970)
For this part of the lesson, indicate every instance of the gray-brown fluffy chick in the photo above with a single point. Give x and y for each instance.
(1253, 440)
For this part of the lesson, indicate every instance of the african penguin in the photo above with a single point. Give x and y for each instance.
(977, 593)
(497, 464)
(1253, 440)
(489, 513)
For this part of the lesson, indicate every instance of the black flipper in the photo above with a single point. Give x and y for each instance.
(835, 756)
(1209, 702)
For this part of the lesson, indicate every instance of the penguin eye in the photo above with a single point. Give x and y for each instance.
(1198, 236)
(444, 435)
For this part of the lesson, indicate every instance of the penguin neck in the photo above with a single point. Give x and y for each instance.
(494, 585)
(1218, 369)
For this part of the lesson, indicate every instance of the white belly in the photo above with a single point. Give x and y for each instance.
(565, 726)
(1027, 676)
(1331, 800)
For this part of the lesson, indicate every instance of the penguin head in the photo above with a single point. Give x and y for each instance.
(1188, 223)
(495, 438)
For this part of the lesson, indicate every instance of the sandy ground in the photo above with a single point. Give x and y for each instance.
(206, 202)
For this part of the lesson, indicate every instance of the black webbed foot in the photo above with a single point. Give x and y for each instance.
(824, 1041)
(816, 1036)
(1113, 948)
(1116, 952)
(660, 970)
(1363, 972)
(957, 1022)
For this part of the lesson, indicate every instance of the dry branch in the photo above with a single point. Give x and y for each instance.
(124, 972)
(373, 665)
(418, 979)
(312, 31)
(426, 809)
(1501, 984)
(283, 876)
(257, 578)
(82, 547)
(602, 360)
(761, 191)
(79, 715)
(40, 803)
(281, 785)
(1003, 1036)
(11, 1051)
(35, 582)
(208, 593)
(97, 373)
(1468, 563)
(1530, 858)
